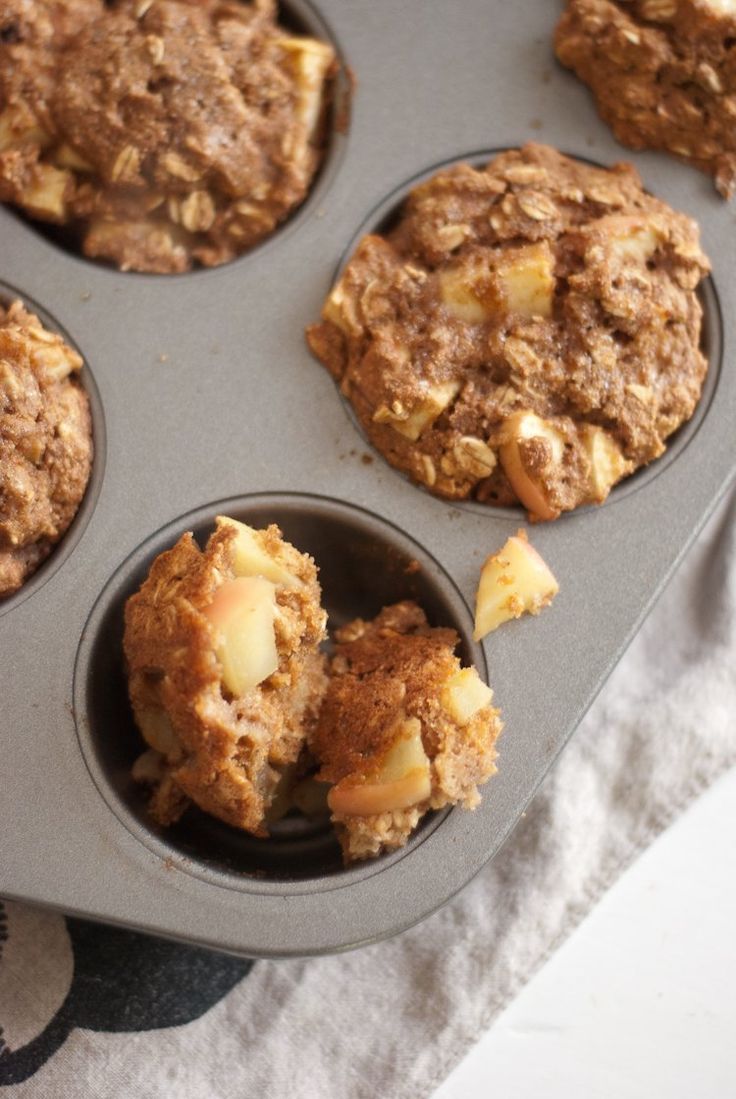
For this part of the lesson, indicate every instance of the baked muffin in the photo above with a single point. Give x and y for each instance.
(225, 672)
(525, 332)
(163, 133)
(403, 729)
(663, 73)
(45, 443)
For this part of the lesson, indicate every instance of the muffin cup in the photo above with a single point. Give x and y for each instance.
(365, 564)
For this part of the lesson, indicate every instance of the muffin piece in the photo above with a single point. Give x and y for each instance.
(45, 443)
(528, 331)
(163, 132)
(225, 672)
(403, 729)
(663, 73)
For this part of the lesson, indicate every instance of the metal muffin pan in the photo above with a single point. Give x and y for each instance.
(206, 399)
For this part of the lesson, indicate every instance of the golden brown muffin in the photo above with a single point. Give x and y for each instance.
(45, 443)
(663, 73)
(225, 672)
(164, 132)
(403, 729)
(526, 332)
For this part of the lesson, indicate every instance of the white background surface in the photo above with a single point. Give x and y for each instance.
(640, 1002)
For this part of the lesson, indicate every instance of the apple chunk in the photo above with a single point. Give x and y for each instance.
(311, 61)
(513, 581)
(401, 780)
(520, 281)
(242, 614)
(251, 559)
(45, 197)
(635, 242)
(434, 402)
(465, 694)
(528, 281)
(158, 732)
(531, 448)
(607, 463)
(463, 292)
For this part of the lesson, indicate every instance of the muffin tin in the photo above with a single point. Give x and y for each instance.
(206, 400)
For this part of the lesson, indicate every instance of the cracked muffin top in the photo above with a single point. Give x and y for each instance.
(45, 443)
(527, 332)
(663, 73)
(164, 133)
(225, 675)
(403, 729)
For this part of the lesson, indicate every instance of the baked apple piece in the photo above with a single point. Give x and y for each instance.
(519, 282)
(397, 780)
(514, 581)
(243, 612)
(531, 455)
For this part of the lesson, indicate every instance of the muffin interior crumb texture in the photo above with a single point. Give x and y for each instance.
(527, 332)
(45, 443)
(162, 133)
(225, 672)
(663, 73)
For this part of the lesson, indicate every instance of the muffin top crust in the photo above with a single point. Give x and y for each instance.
(164, 133)
(524, 332)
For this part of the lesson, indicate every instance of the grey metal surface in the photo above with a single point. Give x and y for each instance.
(206, 391)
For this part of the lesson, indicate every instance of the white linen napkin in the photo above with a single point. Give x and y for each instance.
(122, 1016)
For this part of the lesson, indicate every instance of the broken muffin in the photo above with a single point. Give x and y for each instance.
(163, 133)
(662, 73)
(225, 672)
(45, 443)
(527, 332)
(403, 729)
